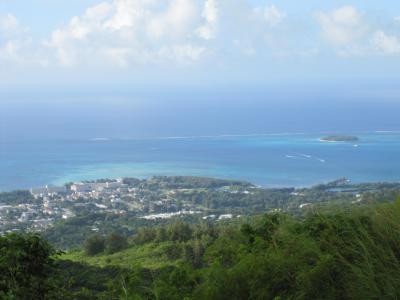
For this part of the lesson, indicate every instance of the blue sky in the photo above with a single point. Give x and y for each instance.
(170, 41)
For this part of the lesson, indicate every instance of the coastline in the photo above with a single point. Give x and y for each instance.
(259, 159)
(266, 187)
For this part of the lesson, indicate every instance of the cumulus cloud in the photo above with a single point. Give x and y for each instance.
(138, 31)
(67, 40)
(129, 33)
(175, 23)
(210, 14)
(342, 26)
(273, 15)
(8, 24)
(351, 33)
(14, 40)
(386, 44)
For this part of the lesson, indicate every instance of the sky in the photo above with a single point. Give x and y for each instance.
(193, 41)
(132, 68)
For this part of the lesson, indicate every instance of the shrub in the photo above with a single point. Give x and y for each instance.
(115, 242)
(94, 245)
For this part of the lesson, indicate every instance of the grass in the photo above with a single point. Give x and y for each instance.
(150, 256)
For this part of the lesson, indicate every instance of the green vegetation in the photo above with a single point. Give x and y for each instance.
(335, 248)
(67, 219)
(16, 197)
(97, 244)
(236, 199)
(152, 256)
(115, 242)
(347, 255)
(187, 182)
(71, 233)
(94, 245)
(26, 263)
(350, 254)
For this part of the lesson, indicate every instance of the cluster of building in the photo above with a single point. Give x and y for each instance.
(13, 217)
(53, 203)
(106, 196)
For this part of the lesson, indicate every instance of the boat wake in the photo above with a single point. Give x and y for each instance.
(304, 157)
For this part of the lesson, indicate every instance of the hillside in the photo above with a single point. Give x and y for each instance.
(150, 256)
(342, 255)
(341, 246)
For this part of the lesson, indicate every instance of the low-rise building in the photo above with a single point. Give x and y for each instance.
(82, 187)
(48, 190)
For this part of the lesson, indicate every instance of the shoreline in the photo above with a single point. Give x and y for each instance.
(266, 187)
(257, 159)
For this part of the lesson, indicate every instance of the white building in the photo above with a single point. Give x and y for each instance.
(84, 187)
(225, 217)
(114, 184)
(67, 214)
(48, 190)
(95, 186)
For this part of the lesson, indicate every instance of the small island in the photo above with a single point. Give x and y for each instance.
(339, 138)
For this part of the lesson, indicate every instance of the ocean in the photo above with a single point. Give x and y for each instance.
(270, 160)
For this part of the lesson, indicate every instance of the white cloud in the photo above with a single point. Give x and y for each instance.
(8, 24)
(14, 41)
(386, 44)
(117, 56)
(129, 33)
(352, 34)
(182, 53)
(66, 41)
(90, 22)
(273, 15)
(9, 51)
(124, 31)
(210, 15)
(342, 26)
(176, 22)
(127, 13)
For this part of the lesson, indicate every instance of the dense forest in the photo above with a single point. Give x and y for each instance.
(346, 254)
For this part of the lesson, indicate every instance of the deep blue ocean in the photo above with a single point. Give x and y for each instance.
(271, 160)
(53, 135)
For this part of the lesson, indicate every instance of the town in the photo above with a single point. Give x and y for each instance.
(168, 197)
(148, 199)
